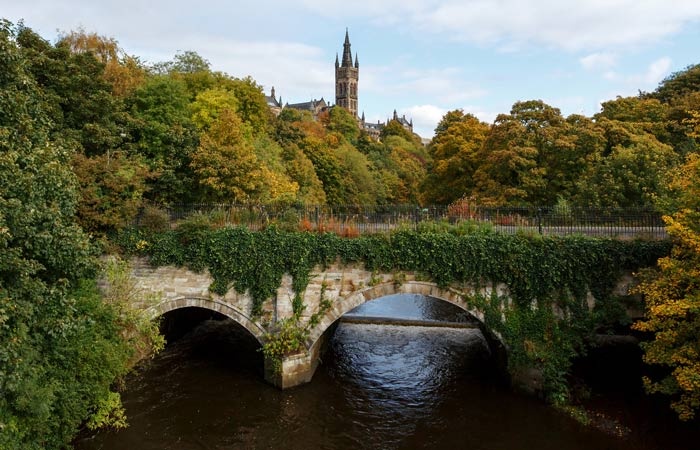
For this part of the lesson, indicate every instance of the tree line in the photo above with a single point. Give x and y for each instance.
(179, 132)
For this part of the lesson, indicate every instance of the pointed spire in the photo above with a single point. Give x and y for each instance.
(272, 92)
(337, 63)
(347, 53)
(357, 62)
(363, 117)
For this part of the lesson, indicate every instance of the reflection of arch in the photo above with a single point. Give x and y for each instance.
(213, 305)
(346, 304)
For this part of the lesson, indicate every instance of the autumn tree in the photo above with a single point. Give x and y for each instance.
(112, 188)
(678, 84)
(455, 153)
(672, 297)
(225, 162)
(124, 72)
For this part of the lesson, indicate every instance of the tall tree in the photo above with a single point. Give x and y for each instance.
(165, 137)
(80, 102)
(225, 162)
(455, 152)
(672, 297)
(60, 348)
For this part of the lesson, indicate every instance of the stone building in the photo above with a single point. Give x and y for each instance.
(347, 77)
(314, 106)
(274, 104)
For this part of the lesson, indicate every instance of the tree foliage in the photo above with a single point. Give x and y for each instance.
(60, 348)
(672, 296)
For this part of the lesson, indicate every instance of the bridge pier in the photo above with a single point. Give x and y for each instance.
(299, 368)
(296, 370)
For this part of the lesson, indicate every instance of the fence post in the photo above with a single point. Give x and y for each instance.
(539, 220)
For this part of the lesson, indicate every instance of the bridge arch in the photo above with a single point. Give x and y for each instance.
(213, 305)
(345, 304)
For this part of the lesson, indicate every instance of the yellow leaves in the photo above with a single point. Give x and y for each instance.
(210, 105)
(693, 124)
(672, 297)
(278, 187)
(672, 309)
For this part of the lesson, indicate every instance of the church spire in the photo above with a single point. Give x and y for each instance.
(347, 53)
(357, 62)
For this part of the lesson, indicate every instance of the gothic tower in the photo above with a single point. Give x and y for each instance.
(346, 78)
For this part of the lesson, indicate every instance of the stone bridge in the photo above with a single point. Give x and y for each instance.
(346, 286)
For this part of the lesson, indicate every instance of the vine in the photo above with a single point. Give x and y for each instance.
(289, 335)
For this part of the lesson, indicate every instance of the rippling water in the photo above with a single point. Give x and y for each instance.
(379, 387)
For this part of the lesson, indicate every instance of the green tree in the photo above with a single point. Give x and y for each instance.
(192, 69)
(251, 104)
(301, 170)
(60, 348)
(394, 128)
(210, 104)
(342, 122)
(165, 137)
(632, 173)
(83, 111)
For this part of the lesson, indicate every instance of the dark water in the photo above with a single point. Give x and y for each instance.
(379, 387)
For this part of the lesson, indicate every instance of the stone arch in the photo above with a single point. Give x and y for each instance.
(346, 304)
(213, 305)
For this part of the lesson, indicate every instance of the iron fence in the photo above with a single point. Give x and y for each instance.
(352, 220)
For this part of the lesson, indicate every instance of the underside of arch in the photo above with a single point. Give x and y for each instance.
(344, 305)
(213, 305)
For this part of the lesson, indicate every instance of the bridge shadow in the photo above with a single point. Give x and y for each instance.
(202, 334)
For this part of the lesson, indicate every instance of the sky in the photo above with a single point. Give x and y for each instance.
(421, 58)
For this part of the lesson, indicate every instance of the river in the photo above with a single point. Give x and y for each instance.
(378, 387)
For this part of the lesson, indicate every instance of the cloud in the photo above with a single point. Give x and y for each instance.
(425, 118)
(598, 61)
(444, 85)
(657, 70)
(510, 24)
(299, 72)
(648, 79)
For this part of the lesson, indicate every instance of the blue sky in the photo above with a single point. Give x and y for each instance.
(420, 57)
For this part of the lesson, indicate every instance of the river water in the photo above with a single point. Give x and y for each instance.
(378, 387)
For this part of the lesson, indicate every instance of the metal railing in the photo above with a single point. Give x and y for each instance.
(352, 220)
